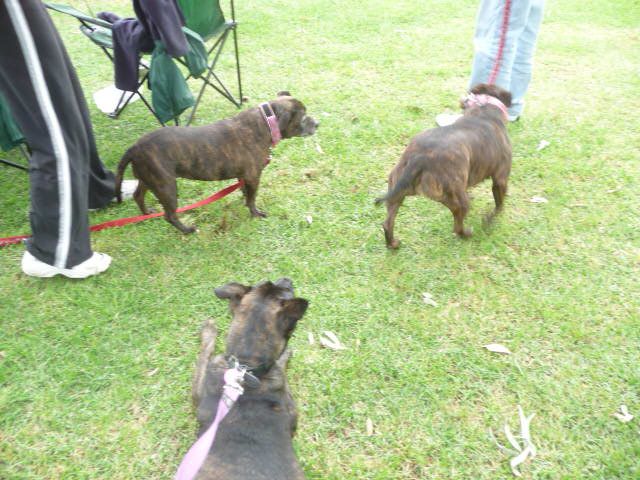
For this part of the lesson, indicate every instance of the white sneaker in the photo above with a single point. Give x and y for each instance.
(97, 263)
(446, 119)
(127, 188)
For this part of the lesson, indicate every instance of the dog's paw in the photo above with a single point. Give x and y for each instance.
(465, 232)
(394, 244)
(258, 214)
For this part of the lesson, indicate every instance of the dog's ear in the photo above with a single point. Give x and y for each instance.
(292, 311)
(284, 93)
(232, 291)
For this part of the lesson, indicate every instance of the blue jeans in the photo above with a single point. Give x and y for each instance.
(512, 70)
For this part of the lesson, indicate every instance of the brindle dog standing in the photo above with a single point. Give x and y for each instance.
(442, 163)
(237, 147)
(253, 441)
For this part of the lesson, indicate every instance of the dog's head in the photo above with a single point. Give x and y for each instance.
(490, 89)
(292, 116)
(264, 317)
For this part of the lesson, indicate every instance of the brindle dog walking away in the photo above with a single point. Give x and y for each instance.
(442, 163)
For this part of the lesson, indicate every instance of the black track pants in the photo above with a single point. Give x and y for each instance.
(65, 172)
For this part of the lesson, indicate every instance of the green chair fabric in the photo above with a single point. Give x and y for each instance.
(196, 57)
(204, 17)
(10, 134)
(170, 94)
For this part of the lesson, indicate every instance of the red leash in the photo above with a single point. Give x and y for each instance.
(126, 221)
(503, 38)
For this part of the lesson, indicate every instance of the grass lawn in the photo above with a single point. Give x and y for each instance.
(95, 374)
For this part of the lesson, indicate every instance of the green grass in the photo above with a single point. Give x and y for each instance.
(95, 374)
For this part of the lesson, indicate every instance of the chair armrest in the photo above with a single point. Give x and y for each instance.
(74, 12)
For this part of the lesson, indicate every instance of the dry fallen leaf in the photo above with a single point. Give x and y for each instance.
(497, 348)
(329, 340)
(623, 414)
(319, 148)
(428, 299)
(369, 427)
(151, 373)
(309, 219)
(542, 145)
(521, 452)
(537, 199)
(311, 340)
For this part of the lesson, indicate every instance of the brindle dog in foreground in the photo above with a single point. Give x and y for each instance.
(442, 163)
(253, 441)
(237, 147)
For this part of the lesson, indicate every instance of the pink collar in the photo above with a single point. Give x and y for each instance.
(272, 121)
(198, 452)
(482, 99)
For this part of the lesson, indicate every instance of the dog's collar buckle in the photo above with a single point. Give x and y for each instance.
(272, 122)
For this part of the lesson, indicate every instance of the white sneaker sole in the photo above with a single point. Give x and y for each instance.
(97, 263)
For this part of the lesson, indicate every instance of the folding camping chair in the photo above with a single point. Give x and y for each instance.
(204, 17)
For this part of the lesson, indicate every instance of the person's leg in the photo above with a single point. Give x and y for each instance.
(37, 85)
(101, 180)
(523, 61)
(499, 25)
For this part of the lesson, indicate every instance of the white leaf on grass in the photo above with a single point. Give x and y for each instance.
(329, 340)
(524, 451)
(512, 440)
(542, 145)
(537, 199)
(623, 414)
(497, 348)
(369, 427)
(319, 148)
(515, 461)
(309, 219)
(428, 299)
(311, 340)
(525, 433)
(151, 373)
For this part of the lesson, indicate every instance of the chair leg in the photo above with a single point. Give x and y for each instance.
(235, 44)
(25, 154)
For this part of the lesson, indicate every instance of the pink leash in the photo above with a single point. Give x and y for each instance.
(198, 452)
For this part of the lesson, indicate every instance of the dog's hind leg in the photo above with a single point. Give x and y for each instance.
(393, 205)
(168, 196)
(250, 190)
(458, 203)
(499, 189)
(207, 344)
(138, 196)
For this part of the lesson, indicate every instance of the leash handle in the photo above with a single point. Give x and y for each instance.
(198, 452)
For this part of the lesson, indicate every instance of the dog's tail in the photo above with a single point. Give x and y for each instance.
(404, 183)
(122, 166)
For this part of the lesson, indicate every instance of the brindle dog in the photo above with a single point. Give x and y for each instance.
(237, 147)
(253, 441)
(442, 163)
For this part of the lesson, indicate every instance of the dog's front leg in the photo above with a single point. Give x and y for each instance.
(250, 190)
